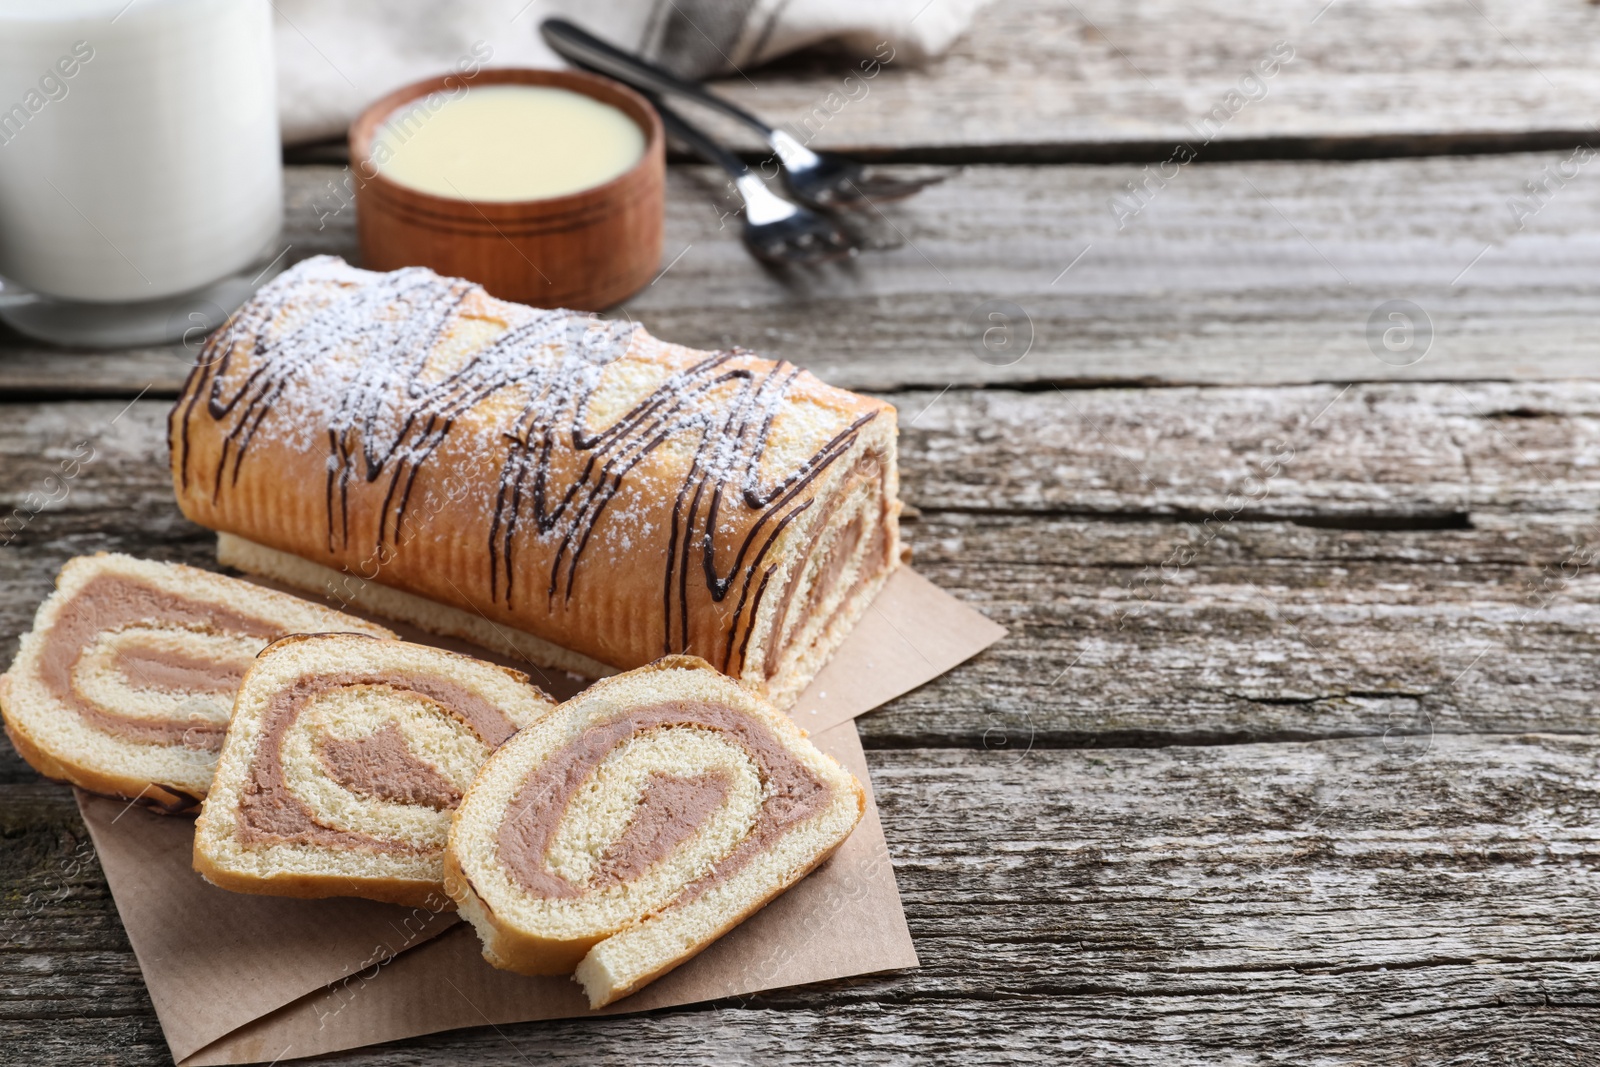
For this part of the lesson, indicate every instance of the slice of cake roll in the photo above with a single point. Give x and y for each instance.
(125, 684)
(344, 761)
(647, 817)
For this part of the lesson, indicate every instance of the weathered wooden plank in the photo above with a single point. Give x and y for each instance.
(1424, 562)
(1421, 455)
(1336, 902)
(1379, 633)
(1369, 456)
(1312, 585)
(1257, 273)
(1273, 632)
(1101, 79)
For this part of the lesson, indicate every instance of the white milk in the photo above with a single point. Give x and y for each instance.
(139, 152)
(506, 142)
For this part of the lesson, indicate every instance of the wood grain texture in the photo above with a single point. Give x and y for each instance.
(1291, 754)
(1409, 893)
(1107, 80)
(1422, 455)
(1423, 563)
(1251, 273)
(1335, 902)
(1355, 455)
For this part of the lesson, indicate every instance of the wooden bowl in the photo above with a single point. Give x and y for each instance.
(587, 250)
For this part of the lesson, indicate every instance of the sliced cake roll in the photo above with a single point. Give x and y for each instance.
(645, 818)
(344, 761)
(125, 684)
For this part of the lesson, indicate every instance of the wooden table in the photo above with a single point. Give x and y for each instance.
(1292, 752)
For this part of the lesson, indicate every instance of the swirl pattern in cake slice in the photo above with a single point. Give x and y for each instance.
(645, 818)
(344, 761)
(125, 684)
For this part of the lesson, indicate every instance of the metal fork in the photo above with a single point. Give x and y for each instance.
(823, 180)
(774, 229)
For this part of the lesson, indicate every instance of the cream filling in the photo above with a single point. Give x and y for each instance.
(432, 735)
(605, 805)
(676, 750)
(103, 677)
(838, 566)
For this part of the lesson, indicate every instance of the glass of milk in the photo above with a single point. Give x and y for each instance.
(141, 178)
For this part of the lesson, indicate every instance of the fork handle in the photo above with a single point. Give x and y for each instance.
(698, 141)
(761, 205)
(583, 47)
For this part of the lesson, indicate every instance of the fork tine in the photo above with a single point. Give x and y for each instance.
(840, 245)
(818, 252)
(806, 250)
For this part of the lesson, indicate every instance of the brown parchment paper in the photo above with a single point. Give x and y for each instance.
(239, 979)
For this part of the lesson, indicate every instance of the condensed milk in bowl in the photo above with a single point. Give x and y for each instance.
(544, 186)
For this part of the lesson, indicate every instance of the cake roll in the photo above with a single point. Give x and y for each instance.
(645, 818)
(569, 489)
(125, 683)
(345, 758)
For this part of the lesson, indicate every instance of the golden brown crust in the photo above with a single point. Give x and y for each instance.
(388, 602)
(165, 800)
(513, 950)
(673, 964)
(658, 501)
(509, 948)
(410, 892)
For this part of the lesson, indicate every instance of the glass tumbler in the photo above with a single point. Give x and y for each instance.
(141, 178)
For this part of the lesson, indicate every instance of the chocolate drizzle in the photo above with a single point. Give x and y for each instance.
(393, 328)
(558, 473)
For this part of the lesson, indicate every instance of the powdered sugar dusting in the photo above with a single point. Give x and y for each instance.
(375, 372)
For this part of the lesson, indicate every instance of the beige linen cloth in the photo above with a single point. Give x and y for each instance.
(337, 56)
